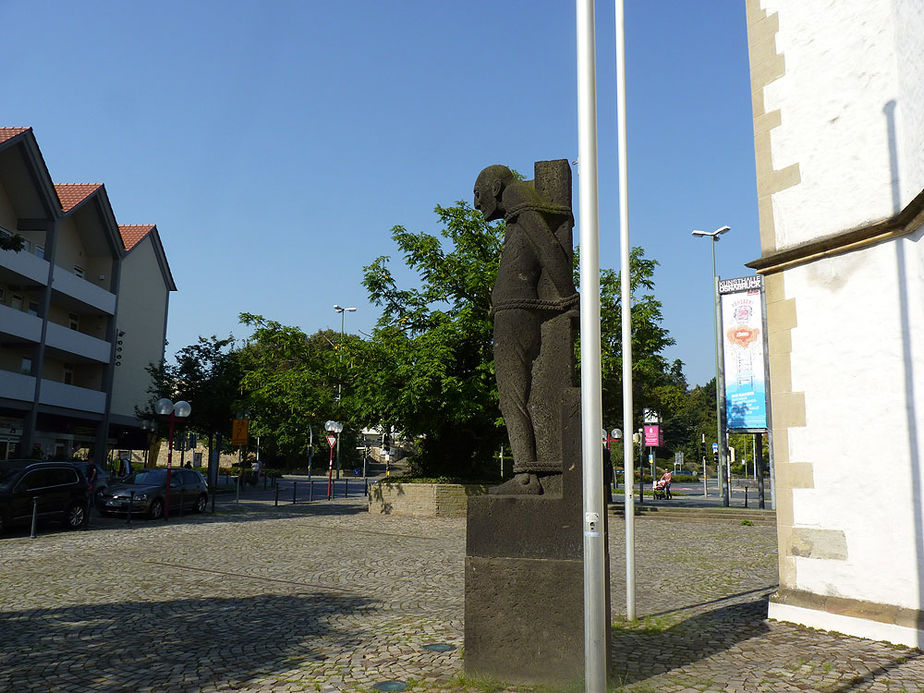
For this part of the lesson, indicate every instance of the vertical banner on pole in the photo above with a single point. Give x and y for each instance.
(744, 349)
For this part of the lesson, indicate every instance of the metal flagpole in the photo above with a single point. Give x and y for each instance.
(595, 625)
(626, 301)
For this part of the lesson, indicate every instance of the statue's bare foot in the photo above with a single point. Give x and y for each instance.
(522, 484)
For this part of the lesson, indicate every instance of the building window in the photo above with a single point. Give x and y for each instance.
(16, 301)
(73, 321)
(33, 308)
(39, 250)
(26, 367)
(79, 271)
(68, 375)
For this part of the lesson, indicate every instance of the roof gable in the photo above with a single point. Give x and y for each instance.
(73, 194)
(133, 233)
(10, 133)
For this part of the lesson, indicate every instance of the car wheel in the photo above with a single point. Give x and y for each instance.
(201, 503)
(76, 516)
(157, 509)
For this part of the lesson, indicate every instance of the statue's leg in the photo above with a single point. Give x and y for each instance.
(516, 345)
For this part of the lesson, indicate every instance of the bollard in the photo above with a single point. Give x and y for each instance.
(277, 496)
(34, 516)
(294, 486)
(346, 488)
(131, 504)
(366, 488)
(745, 496)
(237, 489)
(310, 489)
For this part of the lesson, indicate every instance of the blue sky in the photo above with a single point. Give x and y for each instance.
(275, 144)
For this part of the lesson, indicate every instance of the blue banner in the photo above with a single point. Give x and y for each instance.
(744, 353)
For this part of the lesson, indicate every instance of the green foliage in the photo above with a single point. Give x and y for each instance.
(289, 383)
(207, 375)
(13, 242)
(428, 370)
(655, 383)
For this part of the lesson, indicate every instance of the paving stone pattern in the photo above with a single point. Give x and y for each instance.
(326, 597)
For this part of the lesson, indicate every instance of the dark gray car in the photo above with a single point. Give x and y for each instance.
(146, 492)
(58, 488)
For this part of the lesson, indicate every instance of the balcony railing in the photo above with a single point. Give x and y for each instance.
(74, 342)
(72, 397)
(26, 265)
(86, 292)
(19, 324)
(17, 386)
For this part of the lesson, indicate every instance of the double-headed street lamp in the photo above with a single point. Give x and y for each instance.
(166, 409)
(333, 429)
(341, 310)
(714, 235)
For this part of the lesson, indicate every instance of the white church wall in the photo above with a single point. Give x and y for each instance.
(841, 76)
(858, 355)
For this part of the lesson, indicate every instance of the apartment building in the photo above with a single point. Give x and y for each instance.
(67, 380)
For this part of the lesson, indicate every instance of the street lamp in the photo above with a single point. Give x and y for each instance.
(148, 426)
(333, 429)
(616, 437)
(341, 310)
(166, 409)
(718, 370)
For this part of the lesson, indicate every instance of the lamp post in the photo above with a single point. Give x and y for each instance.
(714, 235)
(342, 311)
(616, 437)
(148, 426)
(166, 409)
(333, 429)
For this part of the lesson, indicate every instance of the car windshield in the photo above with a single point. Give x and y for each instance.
(155, 477)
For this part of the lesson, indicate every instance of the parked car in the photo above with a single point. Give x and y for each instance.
(60, 487)
(188, 491)
(103, 479)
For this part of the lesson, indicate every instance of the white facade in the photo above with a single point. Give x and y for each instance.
(839, 136)
(142, 322)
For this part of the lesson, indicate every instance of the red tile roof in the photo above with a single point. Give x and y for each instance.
(10, 133)
(72, 194)
(132, 234)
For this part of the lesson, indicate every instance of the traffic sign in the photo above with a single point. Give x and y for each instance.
(239, 431)
(715, 448)
(332, 440)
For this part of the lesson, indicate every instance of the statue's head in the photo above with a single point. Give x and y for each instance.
(488, 190)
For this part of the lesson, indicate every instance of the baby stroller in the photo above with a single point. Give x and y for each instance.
(662, 487)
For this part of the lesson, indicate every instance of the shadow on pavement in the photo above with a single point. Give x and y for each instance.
(763, 591)
(643, 650)
(171, 645)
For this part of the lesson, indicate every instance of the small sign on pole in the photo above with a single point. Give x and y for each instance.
(239, 432)
(331, 440)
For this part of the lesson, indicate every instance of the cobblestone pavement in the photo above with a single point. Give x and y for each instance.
(325, 597)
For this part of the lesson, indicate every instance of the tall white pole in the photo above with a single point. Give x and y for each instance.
(626, 300)
(595, 610)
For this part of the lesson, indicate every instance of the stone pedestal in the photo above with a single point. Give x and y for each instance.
(524, 575)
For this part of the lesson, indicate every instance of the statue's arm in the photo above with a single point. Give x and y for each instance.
(552, 256)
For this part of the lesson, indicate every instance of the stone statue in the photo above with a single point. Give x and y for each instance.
(534, 303)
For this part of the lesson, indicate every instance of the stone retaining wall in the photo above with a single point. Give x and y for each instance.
(422, 500)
